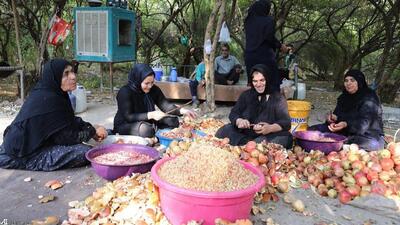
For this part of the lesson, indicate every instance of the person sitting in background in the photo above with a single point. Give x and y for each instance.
(227, 68)
(259, 114)
(136, 114)
(46, 135)
(358, 114)
(198, 79)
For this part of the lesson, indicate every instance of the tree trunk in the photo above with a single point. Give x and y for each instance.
(43, 54)
(209, 59)
(388, 91)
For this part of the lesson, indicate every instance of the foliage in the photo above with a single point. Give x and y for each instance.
(330, 36)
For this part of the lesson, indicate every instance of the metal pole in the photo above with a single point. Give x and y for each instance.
(296, 80)
(111, 82)
(101, 78)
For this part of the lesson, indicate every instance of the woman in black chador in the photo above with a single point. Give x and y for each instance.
(136, 113)
(261, 43)
(259, 114)
(46, 135)
(358, 114)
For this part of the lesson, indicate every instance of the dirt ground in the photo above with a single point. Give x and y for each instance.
(21, 203)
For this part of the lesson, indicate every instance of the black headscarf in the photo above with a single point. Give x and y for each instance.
(46, 111)
(135, 79)
(349, 101)
(266, 72)
(258, 24)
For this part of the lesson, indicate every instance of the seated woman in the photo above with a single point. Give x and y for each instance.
(358, 114)
(136, 100)
(258, 115)
(46, 135)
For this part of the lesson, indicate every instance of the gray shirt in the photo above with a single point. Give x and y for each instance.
(223, 66)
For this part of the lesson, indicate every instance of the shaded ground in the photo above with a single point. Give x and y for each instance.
(21, 203)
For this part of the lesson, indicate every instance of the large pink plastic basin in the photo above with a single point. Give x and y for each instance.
(181, 205)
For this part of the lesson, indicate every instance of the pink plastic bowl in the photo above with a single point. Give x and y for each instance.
(181, 205)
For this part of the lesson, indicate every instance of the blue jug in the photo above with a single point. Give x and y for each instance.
(173, 76)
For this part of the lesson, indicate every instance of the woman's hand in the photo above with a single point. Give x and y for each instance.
(189, 113)
(331, 118)
(101, 133)
(156, 115)
(262, 128)
(336, 127)
(266, 128)
(242, 123)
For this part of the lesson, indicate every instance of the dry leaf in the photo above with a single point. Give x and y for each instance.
(50, 220)
(54, 184)
(46, 199)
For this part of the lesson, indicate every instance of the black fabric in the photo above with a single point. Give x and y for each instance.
(48, 158)
(76, 133)
(347, 100)
(362, 111)
(146, 129)
(135, 79)
(261, 42)
(193, 87)
(46, 111)
(223, 79)
(258, 107)
(133, 103)
(238, 137)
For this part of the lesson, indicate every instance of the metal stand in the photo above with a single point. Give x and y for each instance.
(296, 80)
(101, 78)
(111, 82)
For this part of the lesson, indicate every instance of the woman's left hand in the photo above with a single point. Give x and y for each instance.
(189, 113)
(262, 128)
(336, 127)
(101, 133)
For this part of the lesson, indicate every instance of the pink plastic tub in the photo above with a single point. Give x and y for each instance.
(182, 205)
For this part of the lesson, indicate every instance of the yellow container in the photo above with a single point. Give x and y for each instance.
(299, 112)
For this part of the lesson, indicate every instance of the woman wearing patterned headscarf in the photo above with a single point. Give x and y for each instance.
(259, 114)
(46, 135)
(136, 100)
(358, 114)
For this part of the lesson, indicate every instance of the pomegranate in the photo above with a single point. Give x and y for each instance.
(357, 165)
(339, 172)
(372, 175)
(353, 190)
(375, 167)
(250, 146)
(344, 197)
(378, 187)
(387, 164)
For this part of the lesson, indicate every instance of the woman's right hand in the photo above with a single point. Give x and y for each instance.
(242, 123)
(156, 115)
(101, 133)
(331, 118)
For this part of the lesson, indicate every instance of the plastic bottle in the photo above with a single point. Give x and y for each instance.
(208, 46)
(81, 99)
(301, 91)
(72, 99)
(173, 76)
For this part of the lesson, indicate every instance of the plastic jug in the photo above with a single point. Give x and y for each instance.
(173, 76)
(72, 99)
(81, 99)
(158, 72)
(301, 91)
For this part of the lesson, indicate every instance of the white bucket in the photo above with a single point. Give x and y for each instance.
(81, 99)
